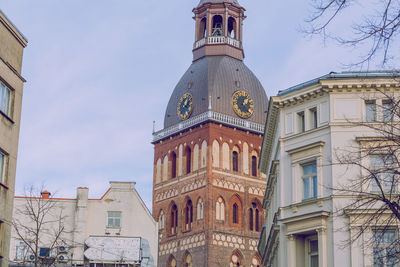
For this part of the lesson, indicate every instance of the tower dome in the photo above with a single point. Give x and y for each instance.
(212, 82)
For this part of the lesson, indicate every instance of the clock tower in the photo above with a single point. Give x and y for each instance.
(207, 189)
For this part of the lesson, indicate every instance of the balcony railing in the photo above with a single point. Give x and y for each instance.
(209, 116)
(212, 40)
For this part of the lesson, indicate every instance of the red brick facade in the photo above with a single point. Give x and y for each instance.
(224, 233)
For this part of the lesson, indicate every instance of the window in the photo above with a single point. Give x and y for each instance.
(313, 118)
(313, 252)
(235, 214)
(385, 252)
(21, 250)
(254, 166)
(171, 261)
(1, 237)
(188, 215)
(174, 219)
(235, 161)
(220, 209)
(5, 99)
(173, 167)
(2, 168)
(301, 125)
(200, 209)
(161, 220)
(114, 219)
(256, 261)
(236, 259)
(188, 260)
(387, 111)
(188, 160)
(44, 252)
(310, 180)
(384, 172)
(254, 218)
(370, 110)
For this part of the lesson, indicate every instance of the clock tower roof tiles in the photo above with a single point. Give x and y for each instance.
(217, 78)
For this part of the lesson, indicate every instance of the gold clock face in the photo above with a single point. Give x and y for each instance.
(243, 104)
(185, 106)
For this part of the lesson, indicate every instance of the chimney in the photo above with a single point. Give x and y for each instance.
(45, 194)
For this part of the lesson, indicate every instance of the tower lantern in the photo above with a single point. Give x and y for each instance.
(218, 29)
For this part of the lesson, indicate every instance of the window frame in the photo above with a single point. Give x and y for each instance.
(9, 103)
(373, 110)
(387, 105)
(382, 246)
(3, 167)
(379, 173)
(301, 122)
(313, 118)
(114, 218)
(313, 180)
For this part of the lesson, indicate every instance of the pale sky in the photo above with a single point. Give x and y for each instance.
(99, 72)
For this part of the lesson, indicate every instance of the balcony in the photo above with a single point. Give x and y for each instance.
(209, 116)
(214, 40)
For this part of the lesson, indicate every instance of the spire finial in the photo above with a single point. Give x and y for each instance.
(154, 126)
(209, 102)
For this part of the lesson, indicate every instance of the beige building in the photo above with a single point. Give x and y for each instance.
(12, 44)
(306, 126)
(116, 229)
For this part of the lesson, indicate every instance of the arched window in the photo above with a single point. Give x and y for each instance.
(161, 220)
(235, 214)
(200, 209)
(188, 160)
(203, 28)
(225, 156)
(158, 171)
(254, 165)
(236, 259)
(235, 161)
(173, 219)
(173, 165)
(188, 215)
(215, 154)
(171, 261)
(187, 260)
(256, 261)
(220, 209)
(245, 158)
(203, 162)
(232, 28)
(165, 169)
(235, 211)
(217, 29)
(254, 217)
(196, 154)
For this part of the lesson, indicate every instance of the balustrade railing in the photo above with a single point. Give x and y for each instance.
(209, 116)
(217, 40)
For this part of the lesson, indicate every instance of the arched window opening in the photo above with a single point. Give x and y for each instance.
(254, 166)
(232, 28)
(171, 261)
(200, 209)
(215, 154)
(235, 161)
(235, 214)
(161, 220)
(158, 171)
(256, 261)
(173, 219)
(217, 29)
(165, 169)
(254, 217)
(196, 155)
(188, 160)
(236, 259)
(188, 215)
(251, 219)
(187, 260)
(220, 209)
(173, 165)
(203, 159)
(203, 28)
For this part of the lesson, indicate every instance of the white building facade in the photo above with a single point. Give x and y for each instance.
(114, 230)
(306, 126)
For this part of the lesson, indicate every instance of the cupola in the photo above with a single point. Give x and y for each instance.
(218, 29)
